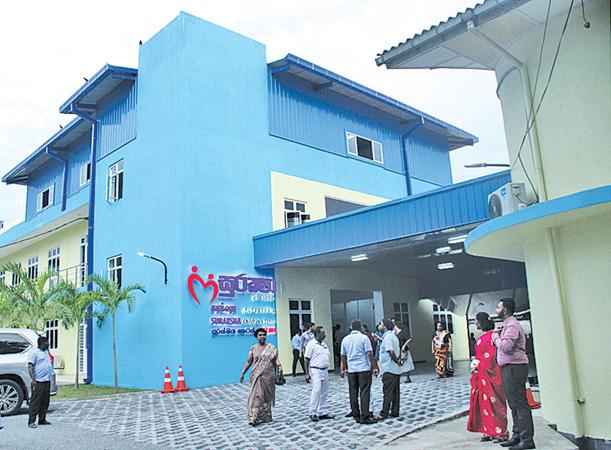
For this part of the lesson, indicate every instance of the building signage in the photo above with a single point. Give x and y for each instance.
(226, 317)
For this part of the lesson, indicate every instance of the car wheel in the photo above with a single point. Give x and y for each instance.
(11, 397)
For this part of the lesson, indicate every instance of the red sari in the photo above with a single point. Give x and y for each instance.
(487, 410)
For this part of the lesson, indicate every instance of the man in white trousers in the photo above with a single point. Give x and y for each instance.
(317, 358)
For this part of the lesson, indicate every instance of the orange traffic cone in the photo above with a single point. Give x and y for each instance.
(167, 383)
(531, 400)
(180, 383)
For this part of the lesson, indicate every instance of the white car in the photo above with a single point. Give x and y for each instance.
(15, 381)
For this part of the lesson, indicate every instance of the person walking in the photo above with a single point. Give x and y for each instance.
(41, 371)
(390, 368)
(487, 406)
(511, 356)
(263, 358)
(296, 342)
(317, 357)
(358, 364)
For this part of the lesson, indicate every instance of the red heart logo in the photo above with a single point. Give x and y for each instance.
(205, 284)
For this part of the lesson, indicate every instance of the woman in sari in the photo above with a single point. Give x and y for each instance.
(442, 349)
(404, 340)
(263, 358)
(487, 409)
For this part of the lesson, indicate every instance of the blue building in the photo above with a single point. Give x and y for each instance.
(206, 157)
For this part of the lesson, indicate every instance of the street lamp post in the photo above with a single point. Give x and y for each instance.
(478, 165)
(165, 267)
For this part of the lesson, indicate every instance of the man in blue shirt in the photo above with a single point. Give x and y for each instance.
(41, 371)
(296, 342)
(358, 363)
(390, 367)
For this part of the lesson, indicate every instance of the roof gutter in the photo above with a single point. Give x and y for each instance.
(408, 178)
(90, 117)
(64, 162)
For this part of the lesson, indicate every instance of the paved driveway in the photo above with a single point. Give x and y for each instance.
(215, 418)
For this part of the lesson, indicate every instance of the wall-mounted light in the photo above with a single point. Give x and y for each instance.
(457, 239)
(360, 257)
(478, 165)
(445, 266)
(165, 267)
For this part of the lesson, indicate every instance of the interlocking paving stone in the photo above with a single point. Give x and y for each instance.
(216, 417)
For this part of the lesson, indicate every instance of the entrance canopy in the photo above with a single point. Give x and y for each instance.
(418, 236)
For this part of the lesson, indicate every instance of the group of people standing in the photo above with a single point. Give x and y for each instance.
(358, 363)
(499, 375)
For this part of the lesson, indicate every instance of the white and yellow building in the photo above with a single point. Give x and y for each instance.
(553, 68)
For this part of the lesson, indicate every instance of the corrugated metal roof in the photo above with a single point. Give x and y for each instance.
(450, 45)
(320, 77)
(449, 207)
(60, 140)
(98, 86)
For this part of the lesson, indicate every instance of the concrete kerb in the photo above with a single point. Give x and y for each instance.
(442, 419)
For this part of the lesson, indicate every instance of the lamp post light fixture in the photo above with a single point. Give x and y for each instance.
(165, 267)
(479, 165)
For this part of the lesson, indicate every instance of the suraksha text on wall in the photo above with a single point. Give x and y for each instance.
(226, 319)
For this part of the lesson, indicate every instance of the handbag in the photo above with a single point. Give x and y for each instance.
(280, 379)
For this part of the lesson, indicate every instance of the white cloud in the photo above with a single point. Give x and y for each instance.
(48, 47)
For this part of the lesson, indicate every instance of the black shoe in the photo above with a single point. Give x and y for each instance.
(44, 422)
(511, 442)
(32, 425)
(367, 421)
(314, 418)
(326, 417)
(394, 415)
(523, 445)
(350, 414)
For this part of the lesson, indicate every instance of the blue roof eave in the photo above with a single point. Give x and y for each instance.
(94, 82)
(14, 177)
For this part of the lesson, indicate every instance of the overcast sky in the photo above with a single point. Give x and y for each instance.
(47, 47)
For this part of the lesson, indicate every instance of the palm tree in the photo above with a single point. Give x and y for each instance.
(73, 311)
(10, 315)
(32, 298)
(110, 297)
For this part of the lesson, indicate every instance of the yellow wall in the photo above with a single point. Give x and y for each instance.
(574, 136)
(313, 194)
(573, 122)
(68, 239)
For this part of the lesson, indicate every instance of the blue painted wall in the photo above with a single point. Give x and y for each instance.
(117, 118)
(428, 159)
(52, 173)
(197, 188)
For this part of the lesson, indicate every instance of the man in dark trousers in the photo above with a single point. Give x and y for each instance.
(510, 342)
(358, 363)
(41, 371)
(390, 368)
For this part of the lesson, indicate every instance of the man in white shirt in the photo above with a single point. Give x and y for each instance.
(41, 371)
(317, 358)
(390, 368)
(296, 341)
(358, 363)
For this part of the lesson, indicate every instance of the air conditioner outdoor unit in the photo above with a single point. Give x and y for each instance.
(507, 199)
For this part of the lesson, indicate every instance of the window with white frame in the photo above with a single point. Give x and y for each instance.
(401, 314)
(85, 174)
(15, 278)
(440, 314)
(51, 329)
(2, 277)
(115, 182)
(294, 213)
(44, 199)
(33, 267)
(300, 313)
(364, 147)
(115, 269)
(53, 263)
